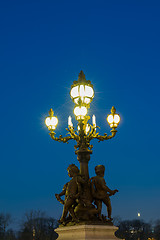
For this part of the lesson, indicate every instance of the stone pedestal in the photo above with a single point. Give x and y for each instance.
(87, 232)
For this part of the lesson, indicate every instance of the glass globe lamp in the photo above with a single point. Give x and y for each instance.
(80, 112)
(51, 121)
(82, 91)
(113, 119)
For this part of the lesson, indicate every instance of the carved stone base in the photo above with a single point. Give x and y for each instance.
(87, 232)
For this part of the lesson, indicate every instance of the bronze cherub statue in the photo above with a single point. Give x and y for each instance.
(72, 191)
(101, 192)
(80, 193)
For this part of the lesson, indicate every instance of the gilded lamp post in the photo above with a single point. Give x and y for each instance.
(82, 94)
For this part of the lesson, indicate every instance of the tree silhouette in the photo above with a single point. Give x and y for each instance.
(157, 230)
(38, 226)
(135, 229)
(5, 233)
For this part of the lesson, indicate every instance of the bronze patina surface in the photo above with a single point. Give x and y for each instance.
(83, 196)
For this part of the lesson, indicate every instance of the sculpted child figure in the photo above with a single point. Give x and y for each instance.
(72, 191)
(101, 192)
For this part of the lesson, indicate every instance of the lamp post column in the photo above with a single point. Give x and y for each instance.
(83, 153)
(83, 156)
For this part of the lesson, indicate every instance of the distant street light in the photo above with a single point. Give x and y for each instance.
(34, 233)
(139, 214)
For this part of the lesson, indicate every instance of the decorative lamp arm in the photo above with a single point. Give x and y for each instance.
(105, 137)
(92, 134)
(72, 133)
(60, 138)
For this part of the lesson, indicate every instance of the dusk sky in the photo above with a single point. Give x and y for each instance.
(43, 47)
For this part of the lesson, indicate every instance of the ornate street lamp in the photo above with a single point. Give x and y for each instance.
(82, 94)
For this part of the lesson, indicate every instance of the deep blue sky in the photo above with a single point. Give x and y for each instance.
(43, 47)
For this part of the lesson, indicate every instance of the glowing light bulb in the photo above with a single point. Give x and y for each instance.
(94, 120)
(80, 111)
(51, 122)
(74, 92)
(110, 119)
(70, 124)
(116, 118)
(87, 128)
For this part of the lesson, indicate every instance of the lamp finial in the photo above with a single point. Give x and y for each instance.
(81, 77)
